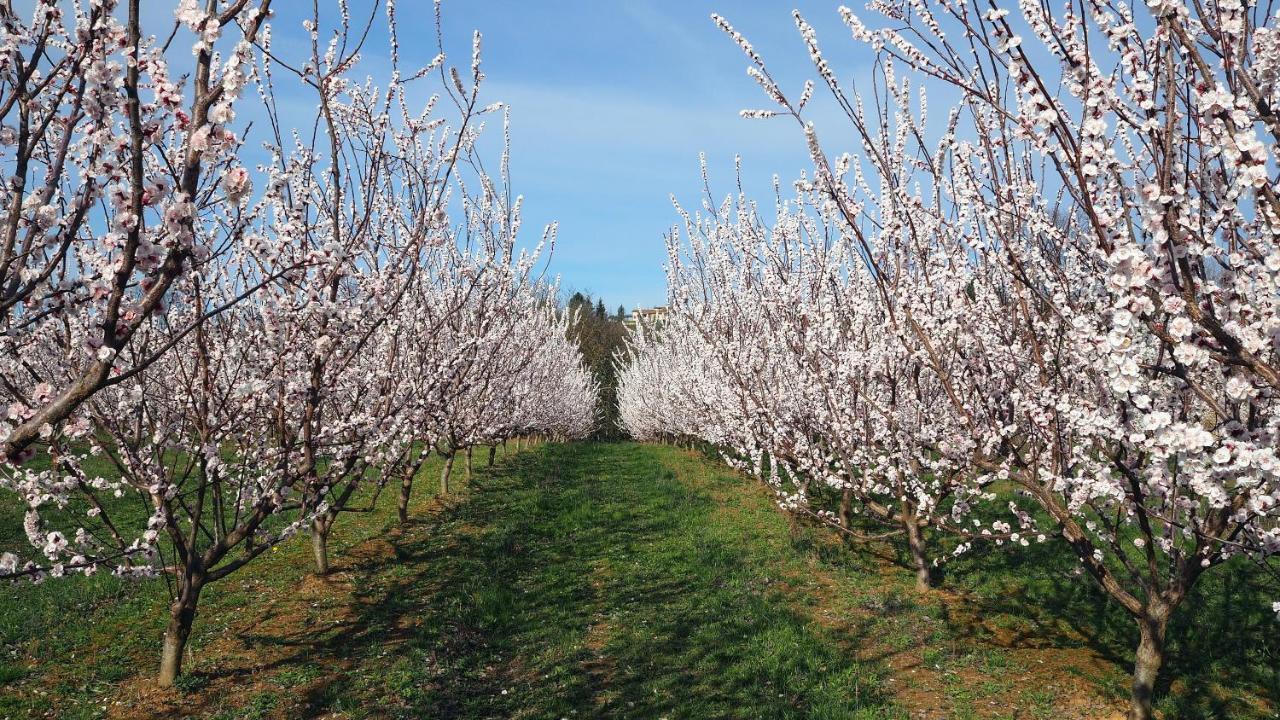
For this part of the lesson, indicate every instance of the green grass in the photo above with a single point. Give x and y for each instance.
(591, 581)
(65, 645)
(1223, 650)
(616, 580)
(91, 625)
(1222, 657)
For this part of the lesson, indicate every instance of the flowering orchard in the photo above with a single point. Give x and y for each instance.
(1058, 310)
(254, 348)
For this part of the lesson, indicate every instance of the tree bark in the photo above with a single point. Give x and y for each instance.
(444, 474)
(182, 614)
(402, 507)
(320, 544)
(469, 463)
(846, 508)
(493, 450)
(1147, 661)
(919, 558)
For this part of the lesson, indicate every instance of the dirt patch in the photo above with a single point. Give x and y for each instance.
(256, 657)
(598, 665)
(282, 656)
(1031, 683)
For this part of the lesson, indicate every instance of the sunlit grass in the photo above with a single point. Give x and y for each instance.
(621, 580)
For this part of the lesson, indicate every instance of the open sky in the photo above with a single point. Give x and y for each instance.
(611, 103)
(613, 100)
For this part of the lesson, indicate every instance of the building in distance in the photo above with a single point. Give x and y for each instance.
(650, 318)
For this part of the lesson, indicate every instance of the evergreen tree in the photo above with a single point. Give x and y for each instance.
(599, 336)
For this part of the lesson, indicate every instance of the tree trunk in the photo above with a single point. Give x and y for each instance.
(402, 507)
(919, 558)
(320, 544)
(469, 463)
(182, 614)
(493, 450)
(846, 508)
(1147, 661)
(444, 474)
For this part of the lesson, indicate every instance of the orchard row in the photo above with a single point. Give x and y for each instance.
(227, 322)
(1049, 315)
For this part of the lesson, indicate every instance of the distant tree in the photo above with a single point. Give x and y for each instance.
(599, 336)
(622, 312)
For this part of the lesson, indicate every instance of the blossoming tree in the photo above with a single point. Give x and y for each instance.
(240, 360)
(1107, 204)
(111, 161)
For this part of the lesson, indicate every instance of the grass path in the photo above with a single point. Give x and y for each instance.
(584, 581)
(592, 581)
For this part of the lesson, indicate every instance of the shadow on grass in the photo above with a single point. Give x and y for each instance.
(586, 581)
(1223, 654)
(582, 582)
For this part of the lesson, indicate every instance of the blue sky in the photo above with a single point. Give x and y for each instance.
(613, 101)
